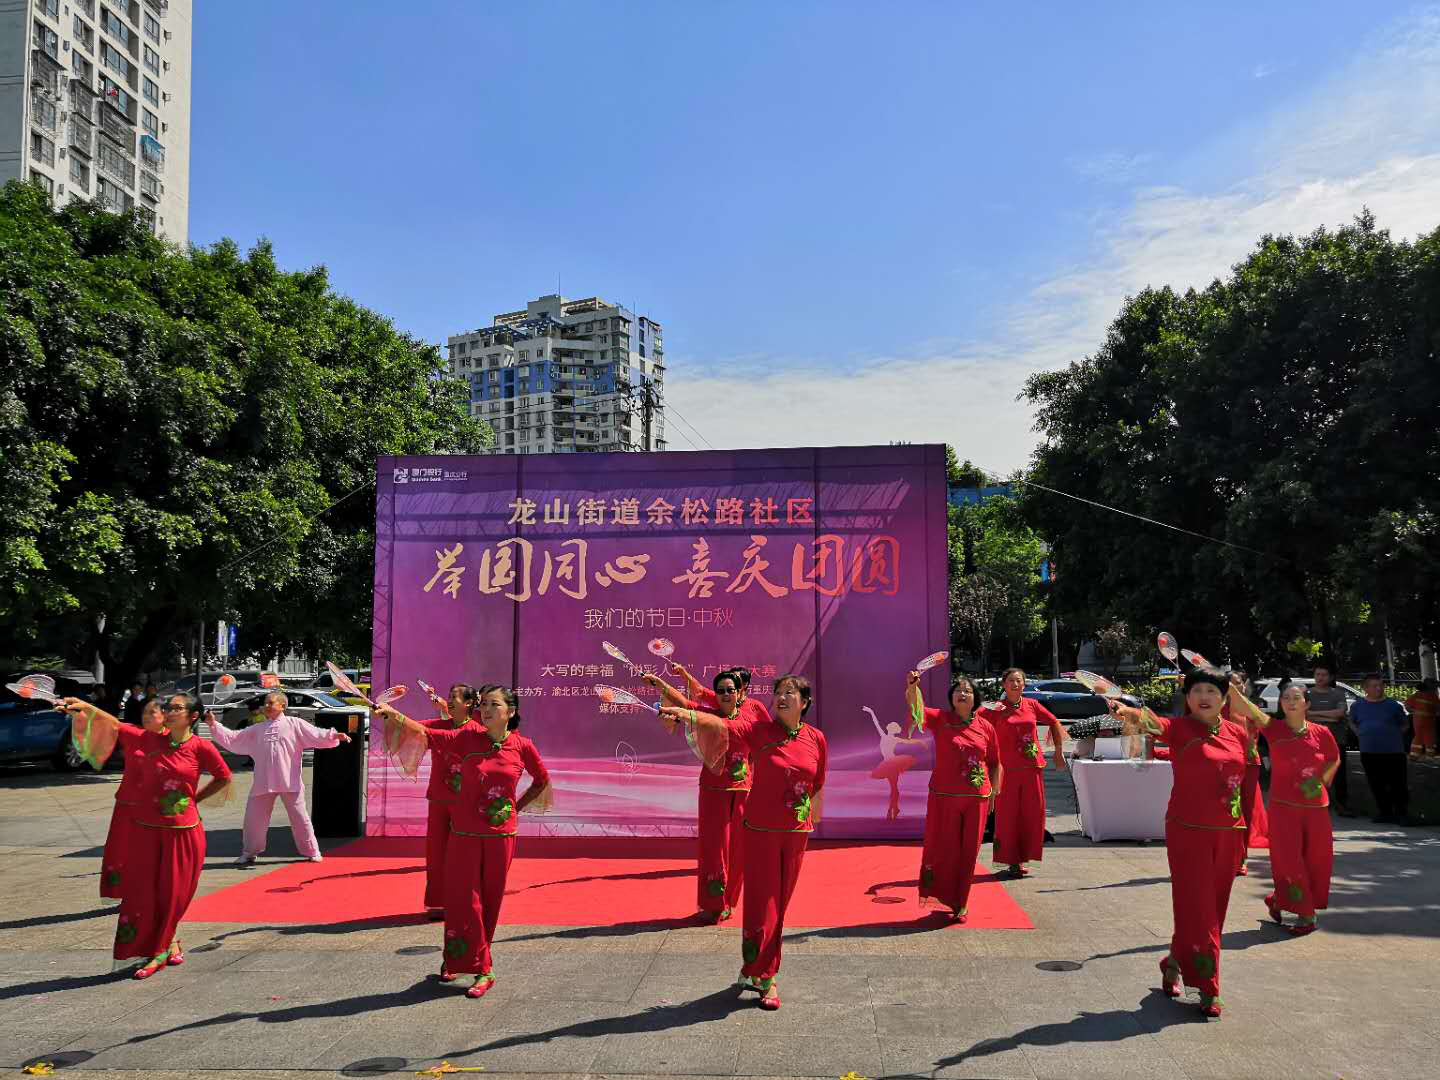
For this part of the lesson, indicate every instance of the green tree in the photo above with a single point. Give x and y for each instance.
(1286, 411)
(174, 426)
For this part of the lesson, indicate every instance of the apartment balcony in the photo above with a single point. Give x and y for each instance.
(43, 113)
(115, 165)
(153, 153)
(150, 187)
(82, 137)
(118, 132)
(160, 7)
(45, 73)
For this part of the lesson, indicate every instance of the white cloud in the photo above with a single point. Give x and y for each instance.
(1114, 167)
(1365, 138)
(1263, 71)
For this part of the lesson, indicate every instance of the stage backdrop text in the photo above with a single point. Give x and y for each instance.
(828, 562)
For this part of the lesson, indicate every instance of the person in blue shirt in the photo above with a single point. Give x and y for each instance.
(1380, 723)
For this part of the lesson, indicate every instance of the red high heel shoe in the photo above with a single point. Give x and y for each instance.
(148, 970)
(1210, 1006)
(176, 957)
(1301, 929)
(482, 986)
(1170, 985)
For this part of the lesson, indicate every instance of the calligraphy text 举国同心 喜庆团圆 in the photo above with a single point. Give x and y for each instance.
(508, 568)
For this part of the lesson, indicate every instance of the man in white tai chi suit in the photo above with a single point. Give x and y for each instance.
(276, 745)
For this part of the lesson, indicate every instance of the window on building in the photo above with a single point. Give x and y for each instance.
(151, 122)
(152, 92)
(83, 34)
(152, 27)
(79, 173)
(113, 26)
(44, 181)
(50, 7)
(87, 6)
(112, 58)
(152, 61)
(47, 40)
(42, 149)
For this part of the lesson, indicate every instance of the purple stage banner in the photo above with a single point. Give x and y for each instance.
(514, 569)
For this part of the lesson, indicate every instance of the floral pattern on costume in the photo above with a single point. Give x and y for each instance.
(127, 931)
(455, 945)
(1295, 891)
(1204, 964)
(453, 780)
(975, 770)
(715, 886)
(499, 809)
(1030, 748)
(1311, 785)
(1232, 796)
(750, 946)
(174, 801)
(739, 769)
(801, 802)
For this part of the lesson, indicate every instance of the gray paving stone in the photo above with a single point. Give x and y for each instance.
(991, 1059)
(809, 1055)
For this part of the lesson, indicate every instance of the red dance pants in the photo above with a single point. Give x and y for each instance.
(772, 866)
(1020, 817)
(437, 839)
(162, 871)
(117, 847)
(954, 825)
(475, 889)
(1302, 853)
(720, 865)
(1257, 819)
(1202, 873)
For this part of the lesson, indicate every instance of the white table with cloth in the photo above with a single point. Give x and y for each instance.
(1122, 800)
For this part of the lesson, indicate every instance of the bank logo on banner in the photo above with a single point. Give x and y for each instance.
(402, 476)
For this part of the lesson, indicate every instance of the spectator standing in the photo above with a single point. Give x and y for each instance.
(1424, 704)
(1327, 706)
(135, 704)
(1380, 723)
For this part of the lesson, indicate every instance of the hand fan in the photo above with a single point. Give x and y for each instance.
(39, 687)
(933, 660)
(223, 690)
(1098, 684)
(1169, 648)
(616, 653)
(343, 682)
(1195, 658)
(394, 693)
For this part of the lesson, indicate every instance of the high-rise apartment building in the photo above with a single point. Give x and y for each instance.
(566, 376)
(95, 103)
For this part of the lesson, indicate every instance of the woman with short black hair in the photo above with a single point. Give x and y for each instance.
(1204, 824)
(491, 755)
(442, 791)
(166, 851)
(966, 778)
(781, 811)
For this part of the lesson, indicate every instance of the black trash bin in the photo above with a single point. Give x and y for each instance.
(338, 778)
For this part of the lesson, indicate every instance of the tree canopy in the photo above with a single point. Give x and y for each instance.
(173, 427)
(1289, 410)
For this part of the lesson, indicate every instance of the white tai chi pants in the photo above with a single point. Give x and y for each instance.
(257, 821)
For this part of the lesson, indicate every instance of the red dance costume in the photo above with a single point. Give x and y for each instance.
(442, 793)
(1204, 838)
(167, 841)
(720, 812)
(1020, 806)
(967, 757)
(780, 814)
(1301, 845)
(1252, 800)
(122, 818)
(482, 837)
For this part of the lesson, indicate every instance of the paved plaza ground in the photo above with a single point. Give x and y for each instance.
(1359, 1000)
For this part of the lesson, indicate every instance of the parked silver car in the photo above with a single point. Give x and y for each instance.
(301, 704)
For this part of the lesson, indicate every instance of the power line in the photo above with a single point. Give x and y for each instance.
(1138, 517)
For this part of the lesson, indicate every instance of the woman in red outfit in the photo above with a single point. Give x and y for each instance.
(966, 777)
(492, 755)
(442, 792)
(1303, 760)
(720, 810)
(122, 818)
(1020, 806)
(166, 850)
(1252, 802)
(780, 813)
(1204, 824)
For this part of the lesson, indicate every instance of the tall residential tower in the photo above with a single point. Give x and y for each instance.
(566, 376)
(95, 103)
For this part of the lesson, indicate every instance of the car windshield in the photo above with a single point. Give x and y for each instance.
(324, 701)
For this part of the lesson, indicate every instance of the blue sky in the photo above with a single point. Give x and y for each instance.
(897, 209)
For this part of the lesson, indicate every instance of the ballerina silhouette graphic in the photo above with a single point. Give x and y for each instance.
(892, 765)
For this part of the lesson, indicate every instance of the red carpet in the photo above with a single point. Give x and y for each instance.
(595, 881)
